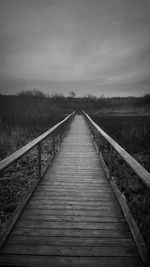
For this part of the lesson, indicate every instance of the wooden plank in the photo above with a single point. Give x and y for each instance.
(75, 212)
(57, 261)
(74, 178)
(78, 196)
(103, 251)
(98, 201)
(85, 173)
(59, 205)
(85, 192)
(61, 177)
(75, 186)
(49, 189)
(41, 218)
(73, 181)
(89, 203)
(68, 196)
(80, 179)
(72, 225)
(86, 233)
(101, 193)
(70, 241)
(76, 189)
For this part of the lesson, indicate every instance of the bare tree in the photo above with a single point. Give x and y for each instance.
(72, 94)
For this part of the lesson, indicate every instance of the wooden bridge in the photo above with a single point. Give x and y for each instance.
(74, 215)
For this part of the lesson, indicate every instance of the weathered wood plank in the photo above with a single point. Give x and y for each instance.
(60, 205)
(71, 218)
(74, 183)
(70, 241)
(57, 261)
(75, 192)
(74, 187)
(60, 210)
(72, 225)
(66, 188)
(79, 197)
(89, 203)
(103, 251)
(86, 233)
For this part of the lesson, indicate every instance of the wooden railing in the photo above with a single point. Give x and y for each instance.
(56, 131)
(53, 137)
(142, 173)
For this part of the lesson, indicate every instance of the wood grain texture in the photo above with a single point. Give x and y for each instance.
(61, 261)
(73, 218)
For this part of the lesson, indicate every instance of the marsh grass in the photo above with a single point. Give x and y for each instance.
(133, 134)
(26, 116)
(22, 119)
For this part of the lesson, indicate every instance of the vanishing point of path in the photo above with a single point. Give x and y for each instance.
(73, 217)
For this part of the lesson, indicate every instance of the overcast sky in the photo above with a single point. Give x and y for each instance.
(89, 46)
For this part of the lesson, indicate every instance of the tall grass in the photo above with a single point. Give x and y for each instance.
(24, 117)
(133, 134)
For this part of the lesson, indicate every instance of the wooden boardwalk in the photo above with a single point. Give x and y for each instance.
(73, 218)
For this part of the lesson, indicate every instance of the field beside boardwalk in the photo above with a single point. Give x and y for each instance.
(132, 132)
(29, 114)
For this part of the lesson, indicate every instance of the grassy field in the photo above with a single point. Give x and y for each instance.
(126, 120)
(24, 117)
(132, 132)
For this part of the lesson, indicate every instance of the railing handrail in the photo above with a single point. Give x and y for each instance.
(6, 162)
(142, 173)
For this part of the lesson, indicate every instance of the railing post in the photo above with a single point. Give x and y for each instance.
(53, 144)
(60, 136)
(91, 130)
(98, 143)
(39, 160)
(110, 162)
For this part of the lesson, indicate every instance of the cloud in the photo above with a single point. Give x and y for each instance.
(75, 41)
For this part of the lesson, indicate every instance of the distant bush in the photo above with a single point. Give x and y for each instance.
(146, 99)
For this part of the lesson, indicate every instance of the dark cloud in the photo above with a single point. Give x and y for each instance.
(78, 45)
